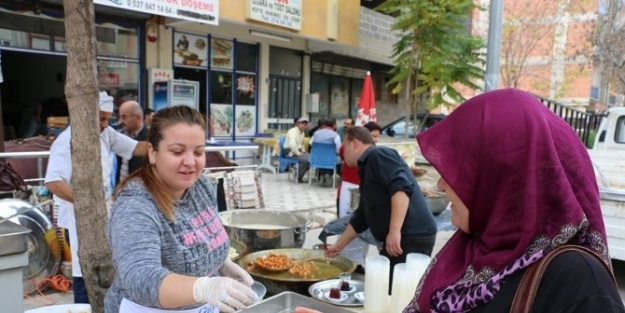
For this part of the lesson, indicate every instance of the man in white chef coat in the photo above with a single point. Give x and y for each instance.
(59, 175)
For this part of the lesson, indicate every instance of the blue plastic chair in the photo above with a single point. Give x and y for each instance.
(323, 156)
(284, 161)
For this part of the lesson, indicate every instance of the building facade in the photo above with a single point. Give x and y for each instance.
(251, 64)
(546, 48)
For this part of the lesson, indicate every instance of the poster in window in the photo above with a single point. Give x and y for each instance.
(221, 53)
(246, 89)
(221, 120)
(245, 121)
(190, 50)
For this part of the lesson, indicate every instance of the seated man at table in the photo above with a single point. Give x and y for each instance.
(311, 132)
(326, 134)
(294, 146)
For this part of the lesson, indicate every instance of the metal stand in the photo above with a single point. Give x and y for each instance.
(13, 257)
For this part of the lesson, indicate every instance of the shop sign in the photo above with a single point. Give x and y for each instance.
(284, 13)
(160, 75)
(202, 11)
(108, 80)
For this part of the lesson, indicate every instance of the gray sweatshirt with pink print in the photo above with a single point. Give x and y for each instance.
(147, 246)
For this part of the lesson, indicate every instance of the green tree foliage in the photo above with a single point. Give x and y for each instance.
(436, 48)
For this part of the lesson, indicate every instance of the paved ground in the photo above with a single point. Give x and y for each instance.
(282, 194)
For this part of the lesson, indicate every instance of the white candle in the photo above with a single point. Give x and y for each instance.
(417, 263)
(403, 289)
(377, 269)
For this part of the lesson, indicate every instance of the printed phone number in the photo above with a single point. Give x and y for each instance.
(146, 6)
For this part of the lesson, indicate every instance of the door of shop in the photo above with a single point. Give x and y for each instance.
(285, 101)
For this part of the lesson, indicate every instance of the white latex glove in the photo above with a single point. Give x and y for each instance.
(234, 271)
(225, 293)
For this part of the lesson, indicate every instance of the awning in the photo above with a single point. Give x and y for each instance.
(54, 8)
(336, 59)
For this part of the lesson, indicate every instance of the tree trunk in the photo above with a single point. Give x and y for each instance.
(81, 90)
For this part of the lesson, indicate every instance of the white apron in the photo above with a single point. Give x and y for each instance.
(345, 198)
(357, 249)
(73, 243)
(128, 306)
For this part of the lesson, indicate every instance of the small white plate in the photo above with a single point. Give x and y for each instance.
(63, 308)
(326, 295)
(360, 296)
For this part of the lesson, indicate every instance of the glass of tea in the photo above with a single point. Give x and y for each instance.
(345, 278)
(335, 293)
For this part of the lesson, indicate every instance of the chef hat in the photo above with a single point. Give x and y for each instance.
(106, 102)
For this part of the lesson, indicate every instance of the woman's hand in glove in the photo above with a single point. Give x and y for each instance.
(225, 293)
(234, 271)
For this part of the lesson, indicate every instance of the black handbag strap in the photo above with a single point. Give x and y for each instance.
(528, 287)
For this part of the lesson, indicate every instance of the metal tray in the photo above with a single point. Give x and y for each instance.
(341, 263)
(277, 283)
(287, 301)
(317, 290)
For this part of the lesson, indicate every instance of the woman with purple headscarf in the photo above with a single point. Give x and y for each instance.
(521, 184)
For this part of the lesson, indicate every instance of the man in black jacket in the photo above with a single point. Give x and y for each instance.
(391, 203)
(133, 126)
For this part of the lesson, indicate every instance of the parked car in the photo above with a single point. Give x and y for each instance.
(397, 127)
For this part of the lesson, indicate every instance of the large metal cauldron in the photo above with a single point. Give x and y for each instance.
(265, 229)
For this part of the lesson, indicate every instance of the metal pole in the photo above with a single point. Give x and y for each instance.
(40, 169)
(494, 45)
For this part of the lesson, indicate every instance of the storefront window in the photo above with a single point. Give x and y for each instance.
(122, 83)
(246, 110)
(247, 57)
(20, 35)
(221, 54)
(196, 75)
(221, 87)
(285, 62)
(338, 96)
(48, 34)
(119, 43)
(356, 91)
(231, 97)
(190, 50)
(246, 89)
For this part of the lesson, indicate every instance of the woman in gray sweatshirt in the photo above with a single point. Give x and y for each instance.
(169, 247)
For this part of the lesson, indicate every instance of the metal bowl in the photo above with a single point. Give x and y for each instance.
(279, 282)
(437, 204)
(241, 249)
(265, 229)
(435, 199)
(44, 247)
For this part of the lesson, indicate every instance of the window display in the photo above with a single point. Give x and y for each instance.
(230, 68)
(190, 50)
